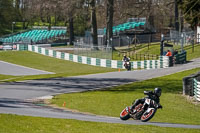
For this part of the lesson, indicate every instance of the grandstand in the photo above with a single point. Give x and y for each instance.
(34, 35)
(132, 24)
(133, 31)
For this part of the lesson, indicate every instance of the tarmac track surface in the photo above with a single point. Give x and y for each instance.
(15, 97)
(17, 70)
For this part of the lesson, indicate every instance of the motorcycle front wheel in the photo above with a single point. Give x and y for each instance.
(124, 115)
(147, 115)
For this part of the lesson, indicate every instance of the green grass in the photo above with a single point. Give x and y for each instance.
(61, 68)
(23, 124)
(192, 55)
(6, 77)
(95, 54)
(110, 102)
(63, 46)
(155, 50)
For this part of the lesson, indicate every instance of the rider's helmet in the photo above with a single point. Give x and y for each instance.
(157, 92)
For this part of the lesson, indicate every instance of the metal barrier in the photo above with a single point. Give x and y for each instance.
(196, 88)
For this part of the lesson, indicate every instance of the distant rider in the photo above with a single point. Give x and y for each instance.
(126, 62)
(155, 96)
(125, 59)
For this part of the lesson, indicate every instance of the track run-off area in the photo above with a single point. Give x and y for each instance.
(17, 97)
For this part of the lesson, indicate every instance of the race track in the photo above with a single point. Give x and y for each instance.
(17, 70)
(15, 97)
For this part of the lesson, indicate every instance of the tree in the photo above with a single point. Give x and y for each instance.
(7, 15)
(71, 28)
(29, 12)
(68, 8)
(176, 15)
(109, 20)
(94, 22)
(191, 11)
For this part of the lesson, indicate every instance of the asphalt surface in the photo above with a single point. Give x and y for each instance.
(28, 109)
(15, 97)
(17, 70)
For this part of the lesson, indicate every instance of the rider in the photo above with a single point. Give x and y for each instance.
(126, 62)
(125, 59)
(155, 96)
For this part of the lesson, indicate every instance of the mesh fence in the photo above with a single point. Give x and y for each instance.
(185, 38)
(83, 49)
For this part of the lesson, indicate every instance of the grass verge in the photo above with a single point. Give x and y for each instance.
(24, 124)
(110, 102)
(155, 50)
(6, 77)
(61, 68)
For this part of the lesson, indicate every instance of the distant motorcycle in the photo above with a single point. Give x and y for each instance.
(143, 112)
(127, 65)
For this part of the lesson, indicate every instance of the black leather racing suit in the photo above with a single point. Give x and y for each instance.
(153, 96)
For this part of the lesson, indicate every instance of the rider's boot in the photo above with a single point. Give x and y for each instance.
(133, 109)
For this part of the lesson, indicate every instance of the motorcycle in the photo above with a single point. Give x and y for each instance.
(127, 65)
(143, 112)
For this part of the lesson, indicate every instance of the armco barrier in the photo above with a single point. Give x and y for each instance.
(196, 88)
(163, 62)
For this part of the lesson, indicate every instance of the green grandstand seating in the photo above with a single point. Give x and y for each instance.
(35, 35)
(137, 24)
(126, 26)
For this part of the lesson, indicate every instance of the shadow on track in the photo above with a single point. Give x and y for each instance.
(13, 103)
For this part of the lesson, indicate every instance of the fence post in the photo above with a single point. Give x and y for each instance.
(149, 41)
(193, 46)
(161, 45)
(136, 56)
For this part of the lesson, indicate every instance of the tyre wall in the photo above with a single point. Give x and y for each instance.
(191, 86)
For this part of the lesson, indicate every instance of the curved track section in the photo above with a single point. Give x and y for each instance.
(17, 70)
(14, 97)
(29, 109)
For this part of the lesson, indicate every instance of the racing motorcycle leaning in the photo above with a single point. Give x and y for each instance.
(142, 111)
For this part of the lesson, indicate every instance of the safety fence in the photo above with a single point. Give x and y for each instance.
(102, 52)
(191, 86)
(196, 87)
(163, 61)
(142, 56)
